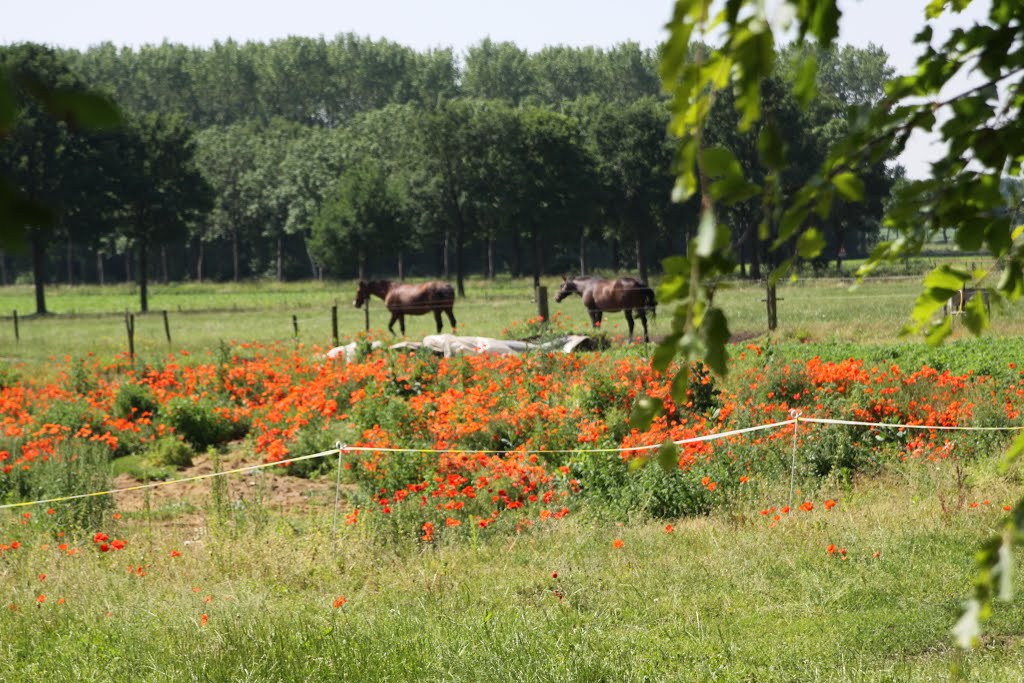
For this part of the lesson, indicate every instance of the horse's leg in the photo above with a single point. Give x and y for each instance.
(401, 322)
(451, 318)
(642, 314)
(629, 322)
(595, 321)
(437, 319)
(391, 325)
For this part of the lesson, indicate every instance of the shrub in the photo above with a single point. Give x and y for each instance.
(199, 423)
(132, 400)
(8, 376)
(77, 466)
(607, 482)
(170, 452)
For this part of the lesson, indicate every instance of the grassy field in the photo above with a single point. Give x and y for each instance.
(91, 319)
(218, 585)
(722, 598)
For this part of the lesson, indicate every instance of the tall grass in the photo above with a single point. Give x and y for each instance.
(724, 598)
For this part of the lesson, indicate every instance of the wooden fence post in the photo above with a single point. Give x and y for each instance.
(542, 303)
(773, 311)
(167, 327)
(334, 324)
(295, 327)
(17, 337)
(129, 323)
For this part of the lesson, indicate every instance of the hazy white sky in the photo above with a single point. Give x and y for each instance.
(421, 24)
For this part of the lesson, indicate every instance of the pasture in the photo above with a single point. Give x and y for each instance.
(541, 561)
(91, 319)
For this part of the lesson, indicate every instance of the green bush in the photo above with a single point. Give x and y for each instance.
(199, 423)
(170, 452)
(77, 466)
(8, 376)
(133, 400)
(607, 482)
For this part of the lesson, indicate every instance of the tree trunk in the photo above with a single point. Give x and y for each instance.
(128, 266)
(361, 261)
(517, 263)
(755, 259)
(583, 252)
(641, 258)
(143, 284)
(3, 269)
(39, 273)
(163, 264)
(199, 262)
(280, 259)
(490, 257)
(615, 254)
(71, 261)
(234, 253)
(444, 256)
(460, 275)
(401, 266)
(99, 267)
(536, 258)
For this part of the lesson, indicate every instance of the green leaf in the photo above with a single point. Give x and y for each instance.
(680, 385)
(805, 88)
(939, 332)
(668, 455)
(665, 352)
(946, 277)
(810, 243)
(849, 185)
(716, 334)
(644, 411)
(719, 161)
(734, 189)
(706, 234)
(771, 147)
(1012, 453)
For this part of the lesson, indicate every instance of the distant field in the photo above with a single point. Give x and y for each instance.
(91, 319)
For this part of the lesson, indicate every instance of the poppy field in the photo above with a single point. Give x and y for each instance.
(498, 516)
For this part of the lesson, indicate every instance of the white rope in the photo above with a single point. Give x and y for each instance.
(340, 449)
(169, 482)
(888, 425)
(631, 449)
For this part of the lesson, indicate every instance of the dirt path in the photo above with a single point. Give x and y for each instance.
(277, 491)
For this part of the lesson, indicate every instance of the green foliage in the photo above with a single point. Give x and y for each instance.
(170, 452)
(201, 424)
(134, 400)
(77, 466)
(609, 483)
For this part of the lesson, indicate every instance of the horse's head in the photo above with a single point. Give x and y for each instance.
(568, 288)
(362, 294)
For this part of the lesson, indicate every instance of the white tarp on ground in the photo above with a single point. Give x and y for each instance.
(451, 345)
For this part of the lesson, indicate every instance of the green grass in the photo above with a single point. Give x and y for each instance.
(723, 598)
(91, 319)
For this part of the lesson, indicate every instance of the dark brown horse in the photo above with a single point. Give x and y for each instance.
(402, 300)
(958, 301)
(600, 296)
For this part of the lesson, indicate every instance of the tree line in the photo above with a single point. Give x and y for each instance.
(350, 157)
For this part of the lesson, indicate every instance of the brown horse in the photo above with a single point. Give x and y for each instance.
(958, 301)
(600, 296)
(402, 300)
